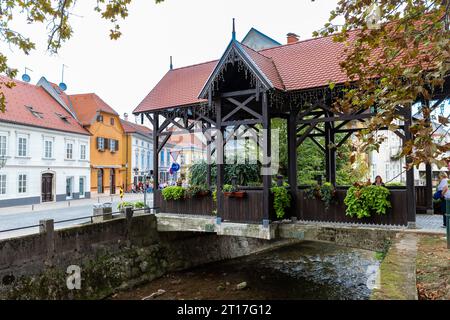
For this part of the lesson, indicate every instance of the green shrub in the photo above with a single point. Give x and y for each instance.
(281, 200)
(139, 205)
(395, 184)
(124, 205)
(324, 192)
(228, 188)
(173, 193)
(362, 201)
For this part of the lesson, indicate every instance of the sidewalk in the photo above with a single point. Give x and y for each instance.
(73, 203)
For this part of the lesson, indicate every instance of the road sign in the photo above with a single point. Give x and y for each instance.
(121, 193)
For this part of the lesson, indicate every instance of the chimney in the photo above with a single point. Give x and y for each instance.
(292, 38)
(125, 116)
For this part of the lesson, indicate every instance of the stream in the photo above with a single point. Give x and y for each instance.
(307, 270)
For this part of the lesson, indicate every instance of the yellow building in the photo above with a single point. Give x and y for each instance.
(108, 161)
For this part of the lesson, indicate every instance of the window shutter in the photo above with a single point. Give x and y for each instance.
(98, 144)
(106, 144)
(117, 145)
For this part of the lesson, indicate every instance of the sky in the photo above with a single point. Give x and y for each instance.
(123, 72)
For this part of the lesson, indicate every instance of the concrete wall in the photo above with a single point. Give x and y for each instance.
(113, 255)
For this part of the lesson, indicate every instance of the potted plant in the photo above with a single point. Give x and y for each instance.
(232, 191)
(197, 191)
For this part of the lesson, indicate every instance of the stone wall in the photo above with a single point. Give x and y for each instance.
(113, 255)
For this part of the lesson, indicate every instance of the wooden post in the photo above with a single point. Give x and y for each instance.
(428, 170)
(208, 155)
(292, 160)
(155, 159)
(219, 157)
(267, 152)
(330, 154)
(410, 189)
(429, 188)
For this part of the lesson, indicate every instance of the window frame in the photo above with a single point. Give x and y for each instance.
(83, 146)
(19, 138)
(51, 141)
(5, 182)
(22, 185)
(66, 153)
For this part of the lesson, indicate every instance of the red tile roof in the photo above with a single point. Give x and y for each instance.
(267, 67)
(305, 64)
(87, 105)
(179, 87)
(24, 95)
(130, 127)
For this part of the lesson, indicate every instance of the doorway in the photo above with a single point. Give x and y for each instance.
(112, 181)
(100, 181)
(47, 187)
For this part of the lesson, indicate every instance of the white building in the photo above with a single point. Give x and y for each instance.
(46, 149)
(391, 168)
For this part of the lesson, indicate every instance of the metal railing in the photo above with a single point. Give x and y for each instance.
(90, 217)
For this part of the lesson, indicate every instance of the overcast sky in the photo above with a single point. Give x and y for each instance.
(192, 31)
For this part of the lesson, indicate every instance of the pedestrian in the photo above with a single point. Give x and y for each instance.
(378, 181)
(444, 191)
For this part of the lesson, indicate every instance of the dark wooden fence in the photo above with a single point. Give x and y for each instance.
(250, 208)
(421, 199)
(247, 209)
(314, 210)
(201, 205)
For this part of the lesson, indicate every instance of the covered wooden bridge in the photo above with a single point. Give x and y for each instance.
(244, 90)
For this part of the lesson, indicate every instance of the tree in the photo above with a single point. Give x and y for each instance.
(57, 15)
(397, 53)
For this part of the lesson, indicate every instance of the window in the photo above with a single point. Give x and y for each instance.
(162, 158)
(63, 117)
(83, 152)
(35, 113)
(113, 145)
(136, 158)
(2, 183)
(101, 144)
(3, 145)
(168, 158)
(69, 187)
(82, 187)
(22, 183)
(111, 121)
(48, 149)
(22, 146)
(142, 160)
(149, 161)
(99, 118)
(69, 150)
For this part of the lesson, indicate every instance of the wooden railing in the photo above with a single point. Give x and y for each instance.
(314, 210)
(202, 205)
(249, 209)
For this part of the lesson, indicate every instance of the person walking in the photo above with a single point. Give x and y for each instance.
(443, 193)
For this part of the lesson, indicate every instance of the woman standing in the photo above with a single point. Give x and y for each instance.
(378, 181)
(443, 193)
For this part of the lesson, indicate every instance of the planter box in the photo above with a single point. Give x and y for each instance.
(237, 194)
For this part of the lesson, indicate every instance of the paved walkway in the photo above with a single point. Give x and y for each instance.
(70, 204)
(430, 222)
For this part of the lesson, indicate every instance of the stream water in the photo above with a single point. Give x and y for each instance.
(307, 270)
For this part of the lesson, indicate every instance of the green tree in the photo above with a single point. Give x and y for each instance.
(405, 46)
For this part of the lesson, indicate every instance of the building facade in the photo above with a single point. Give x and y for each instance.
(46, 148)
(138, 151)
(108, 165)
